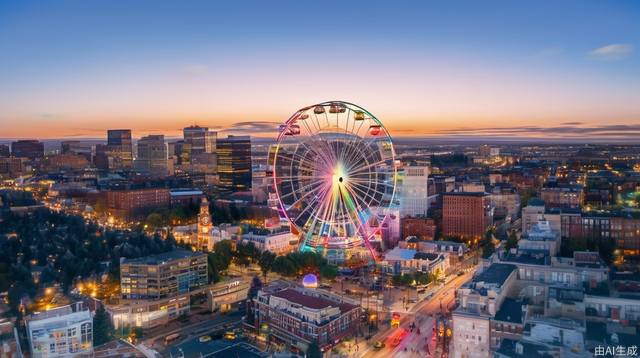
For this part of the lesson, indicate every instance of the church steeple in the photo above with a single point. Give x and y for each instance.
(204, 238)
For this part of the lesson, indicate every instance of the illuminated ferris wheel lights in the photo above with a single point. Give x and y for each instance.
(334, 170)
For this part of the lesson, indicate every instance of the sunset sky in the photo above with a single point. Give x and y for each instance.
(495, 68)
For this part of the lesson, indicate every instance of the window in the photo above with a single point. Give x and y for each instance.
(86, 333)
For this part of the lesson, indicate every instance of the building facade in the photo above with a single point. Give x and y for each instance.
(152, 156)
(480, 300)
(65, 331)
(234, 163)
(120, 149)
(466, 215)
(298, 317)
(29, 148)
(135, 203)
(163, 276)
(415, 193)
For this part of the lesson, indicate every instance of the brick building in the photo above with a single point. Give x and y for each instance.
(135, 203)
(422, 228)
(297, 317)
(466, 214)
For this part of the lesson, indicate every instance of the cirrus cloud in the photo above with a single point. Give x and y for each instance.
(612, 52)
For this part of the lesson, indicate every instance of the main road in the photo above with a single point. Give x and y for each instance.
(422, 314)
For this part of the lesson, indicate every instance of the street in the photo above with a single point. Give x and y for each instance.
(423, 314)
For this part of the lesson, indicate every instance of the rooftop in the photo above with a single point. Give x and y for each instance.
(313, 302)
(465, 193)
(426, 256)
(535, 202)
(497, 273)
(508, 347)
(398, 254)
(528, 259)
(163, 257)
(510, 311)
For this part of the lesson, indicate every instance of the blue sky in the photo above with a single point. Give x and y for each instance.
(78, 67)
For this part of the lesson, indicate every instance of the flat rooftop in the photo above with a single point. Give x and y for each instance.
(510, 311)
(163, 257)
(497, 273)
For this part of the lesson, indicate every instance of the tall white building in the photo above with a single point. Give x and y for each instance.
(414, 194)
(65, 331)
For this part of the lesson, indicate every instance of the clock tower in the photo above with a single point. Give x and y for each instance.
(204, 239)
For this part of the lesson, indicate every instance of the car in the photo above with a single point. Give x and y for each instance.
(230, 336)
(204, 339)
(378, 345)
(460, 273)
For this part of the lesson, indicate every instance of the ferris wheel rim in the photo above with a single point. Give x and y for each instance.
(285, 207)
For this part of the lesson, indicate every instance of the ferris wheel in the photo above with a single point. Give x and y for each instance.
(334, 176)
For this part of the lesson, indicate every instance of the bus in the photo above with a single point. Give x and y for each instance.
(171, 338)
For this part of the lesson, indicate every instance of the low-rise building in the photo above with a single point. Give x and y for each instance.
(540, 239)
(571, 196)
(164, 275)
(422, 228)
(480, 300)
(536, 272)
(298, 317)
(508, 323)
(222, 295)
(65, 331)
(280, 240)
(400, 261)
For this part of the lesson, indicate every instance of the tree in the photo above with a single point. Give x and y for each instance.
(487, 245)
(313, 351)
(512, 241)
(155, 220)
(284, 266)
(102, 330)
(329, 272)
(266, 263)
(224, 249)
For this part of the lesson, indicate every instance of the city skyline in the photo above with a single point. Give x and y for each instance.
(502, 70)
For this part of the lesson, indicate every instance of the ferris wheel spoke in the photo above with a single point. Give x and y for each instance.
(366, 190)
(306, 177)
(348, 155)
(326, 156)
(359, 225)
(367, 167)
(364, 157)
(306, 187)
(366, 181)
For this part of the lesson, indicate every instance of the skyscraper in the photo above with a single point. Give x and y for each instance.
(201, 139)
(152, 156)
(30, 148)
(120, 149)
(234, 163)
(4, 151)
